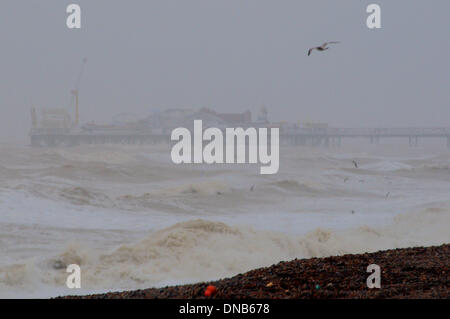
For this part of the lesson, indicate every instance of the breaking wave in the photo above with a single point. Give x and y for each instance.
(107, 209)
(201, 250)
(295, 186)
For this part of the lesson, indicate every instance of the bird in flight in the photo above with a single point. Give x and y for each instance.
(323, 47)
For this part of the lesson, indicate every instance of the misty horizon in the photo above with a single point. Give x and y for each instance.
(231, 57)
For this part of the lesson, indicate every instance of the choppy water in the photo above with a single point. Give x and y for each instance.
(132, 219)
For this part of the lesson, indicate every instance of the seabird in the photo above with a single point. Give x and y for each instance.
(323, 47)
(354, 163)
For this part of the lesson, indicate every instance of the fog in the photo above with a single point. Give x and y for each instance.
(229, 56)
(135, 212)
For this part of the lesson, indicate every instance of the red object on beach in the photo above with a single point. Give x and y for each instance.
(210, 291)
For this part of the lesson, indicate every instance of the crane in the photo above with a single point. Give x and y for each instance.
(76, 90)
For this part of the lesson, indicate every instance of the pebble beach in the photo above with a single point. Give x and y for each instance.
(420, 272)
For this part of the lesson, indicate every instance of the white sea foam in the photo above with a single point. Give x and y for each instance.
(132, 219)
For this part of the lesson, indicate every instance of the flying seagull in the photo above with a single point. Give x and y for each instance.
(323, 47)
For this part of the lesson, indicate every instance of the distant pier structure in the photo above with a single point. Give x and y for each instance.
(334, 136)
(301, 136)
(53, 127)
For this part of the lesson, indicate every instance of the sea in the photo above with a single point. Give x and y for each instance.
(132, 219)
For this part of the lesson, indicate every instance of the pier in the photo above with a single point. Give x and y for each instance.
(288, 136)
(334, 136)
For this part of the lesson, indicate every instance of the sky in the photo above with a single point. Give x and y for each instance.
(231, 56)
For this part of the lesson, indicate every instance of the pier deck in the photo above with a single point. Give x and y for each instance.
(298, 136)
